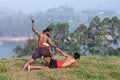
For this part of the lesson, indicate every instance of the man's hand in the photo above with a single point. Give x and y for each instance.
(76, 65)
(32, 20)
(60, 51)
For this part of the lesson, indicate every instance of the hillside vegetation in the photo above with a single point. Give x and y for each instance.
(91, 68)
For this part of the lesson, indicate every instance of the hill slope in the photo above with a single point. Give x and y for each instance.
(92, 68)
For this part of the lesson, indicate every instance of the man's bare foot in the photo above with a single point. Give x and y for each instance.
(20, 70)
(28, 68)
(24, 67)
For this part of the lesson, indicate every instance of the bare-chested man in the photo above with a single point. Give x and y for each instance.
(67, 62)
(43, 42)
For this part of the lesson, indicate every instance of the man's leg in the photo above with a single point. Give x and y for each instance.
(52, 54)
(37, 67)
(47, 59)
(27, 63)
(41, 58)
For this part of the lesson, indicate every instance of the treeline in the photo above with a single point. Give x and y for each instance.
(100, 37)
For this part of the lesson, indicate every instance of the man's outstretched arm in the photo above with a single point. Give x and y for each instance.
(60, 51)
(33, 27)
(51, 43)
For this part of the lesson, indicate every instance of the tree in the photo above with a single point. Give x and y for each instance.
(79, 35)
(73, 47)
(94, 36)
(105, 31)
(116, 29)
(52, 25)
(17, 50)
(61, 33)
(28, 48)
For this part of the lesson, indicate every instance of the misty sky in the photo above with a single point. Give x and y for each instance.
(31, 6)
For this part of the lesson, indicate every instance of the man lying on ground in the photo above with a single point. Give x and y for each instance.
(67, 62)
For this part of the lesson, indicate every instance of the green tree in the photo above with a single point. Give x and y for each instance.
(116, 27)
(61, 33)
(79, 35)
(105, 31)
(28, 48)
(94, 36)
(52, 25)
(73, 47)
(17, 50)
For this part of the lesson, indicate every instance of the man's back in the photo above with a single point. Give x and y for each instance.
(69, 61)
(43, 40)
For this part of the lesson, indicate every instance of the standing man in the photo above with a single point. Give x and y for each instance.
(43, 43)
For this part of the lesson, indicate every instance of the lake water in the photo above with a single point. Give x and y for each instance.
(6, 49)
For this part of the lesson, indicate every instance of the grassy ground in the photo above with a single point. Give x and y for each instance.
(91, 68)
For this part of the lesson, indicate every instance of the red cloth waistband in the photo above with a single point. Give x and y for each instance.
(59, 64)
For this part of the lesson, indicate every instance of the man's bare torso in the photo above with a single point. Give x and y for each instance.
(69, 61)
(42, 39)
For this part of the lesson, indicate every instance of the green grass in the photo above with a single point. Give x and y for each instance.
(91, 68)
(3, 69)
(2, 77)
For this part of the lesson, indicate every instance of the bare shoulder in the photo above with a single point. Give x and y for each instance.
(48, 38)
(40, 34)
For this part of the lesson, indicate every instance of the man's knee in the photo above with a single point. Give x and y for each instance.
(31, 60)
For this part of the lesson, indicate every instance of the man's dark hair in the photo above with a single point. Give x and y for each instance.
(76, 55)
(47, 30)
